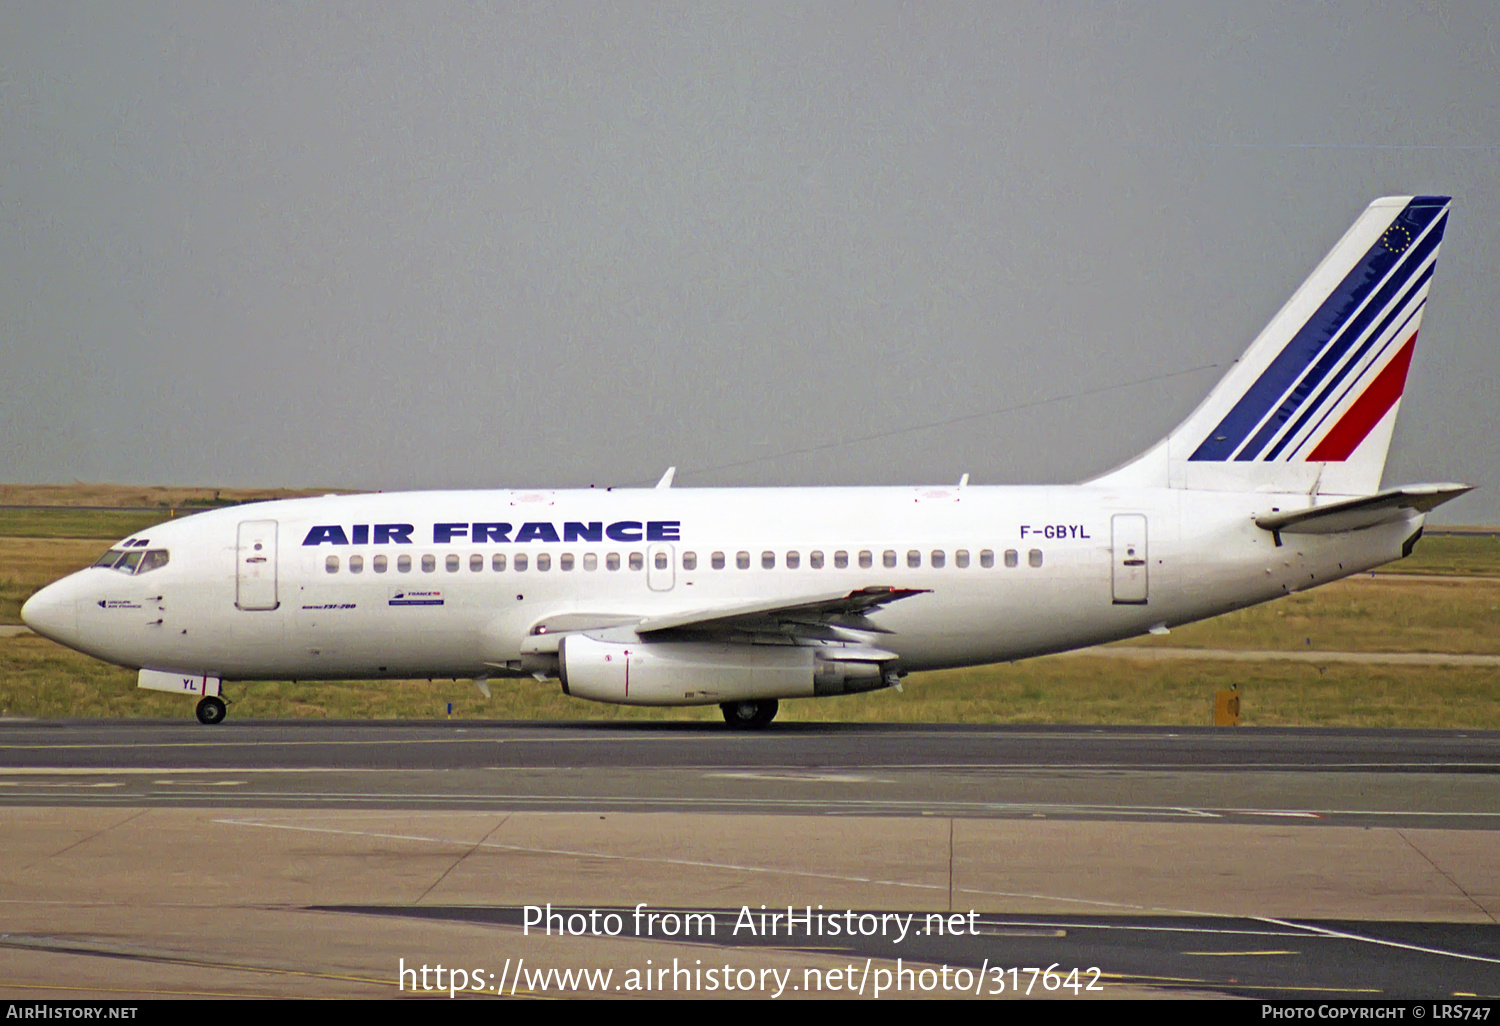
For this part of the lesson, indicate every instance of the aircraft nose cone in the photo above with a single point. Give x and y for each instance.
(52, 613)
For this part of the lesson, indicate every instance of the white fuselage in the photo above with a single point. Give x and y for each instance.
(1091, 565)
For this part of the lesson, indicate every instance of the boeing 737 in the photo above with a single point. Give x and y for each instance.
(743, 597)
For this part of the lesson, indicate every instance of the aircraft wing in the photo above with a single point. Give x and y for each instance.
(820, 616)
(1365, 511)
(810, 617)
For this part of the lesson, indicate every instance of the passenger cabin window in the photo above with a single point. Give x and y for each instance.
(476, 563)
(612, 561)
(1010, 559)
(815, 559)
(378, 564)
(690, 560)
(1034, 557)
(591, 561)
(660, 560)
(403, 564)
(356, 564)
(938, 559)
(888, 558)
(637, 561)
(866, 559)
(768, 560)
(961, 558)
(742, 560)
(331, 564)
(793, 560)
(913, 559)
(429, 563)
(452, 563)
(497, 562)
(840, 559)
(519, 562)
(543, 561)
(565, 561)
(987, 558)
(717, 560)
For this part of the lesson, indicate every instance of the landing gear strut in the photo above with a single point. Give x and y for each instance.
(750, 715)
(211, 710)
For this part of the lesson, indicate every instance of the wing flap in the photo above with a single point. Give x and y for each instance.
(814, 617)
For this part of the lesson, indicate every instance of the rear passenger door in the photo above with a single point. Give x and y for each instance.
(1131, 572)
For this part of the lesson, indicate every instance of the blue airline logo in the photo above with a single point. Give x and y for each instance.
(483, 532)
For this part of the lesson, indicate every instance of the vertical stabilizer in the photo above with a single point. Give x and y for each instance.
(1311, 405)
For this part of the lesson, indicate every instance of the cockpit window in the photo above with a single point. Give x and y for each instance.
(155, 558)
(134, 561)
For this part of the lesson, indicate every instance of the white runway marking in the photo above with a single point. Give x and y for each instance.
(1342, 935)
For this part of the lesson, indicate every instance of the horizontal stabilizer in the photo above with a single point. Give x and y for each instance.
(1367, 511)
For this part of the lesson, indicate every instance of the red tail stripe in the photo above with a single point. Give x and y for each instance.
(1367, 410)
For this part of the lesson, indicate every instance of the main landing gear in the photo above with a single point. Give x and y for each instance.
(211, 710)
(750, 715)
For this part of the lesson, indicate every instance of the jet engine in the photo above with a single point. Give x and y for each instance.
(710, 673)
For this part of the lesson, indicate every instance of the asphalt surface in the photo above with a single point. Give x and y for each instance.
(330, 744)
(1442, 779)
(1256, 863)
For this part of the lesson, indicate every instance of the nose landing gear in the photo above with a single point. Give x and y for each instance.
(211, 710)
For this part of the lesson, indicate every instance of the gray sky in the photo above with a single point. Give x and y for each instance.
(553, 245)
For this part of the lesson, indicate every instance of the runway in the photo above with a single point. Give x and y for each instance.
(316, 859)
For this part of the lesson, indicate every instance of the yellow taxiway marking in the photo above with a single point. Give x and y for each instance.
(1232, 954)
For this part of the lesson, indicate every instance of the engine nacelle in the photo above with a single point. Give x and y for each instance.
(707, 673)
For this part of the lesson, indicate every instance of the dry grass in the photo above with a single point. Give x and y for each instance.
(27, 564)
(40, 679)
(1383, 613)
(139, 495)
(1451, 554)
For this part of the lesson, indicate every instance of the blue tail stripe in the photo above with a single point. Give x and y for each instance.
(1310, 340)
(1414, 256)
(1354, 361)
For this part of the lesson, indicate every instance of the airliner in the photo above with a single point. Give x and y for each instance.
(742, 597)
